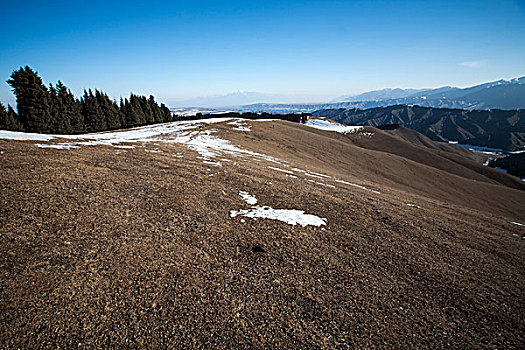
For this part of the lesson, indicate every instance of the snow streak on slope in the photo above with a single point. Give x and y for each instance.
(196, 135)
(189, 133)
(329, 126)
(24, 136)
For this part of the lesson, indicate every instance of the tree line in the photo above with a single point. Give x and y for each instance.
(293, 117)
(54, 109)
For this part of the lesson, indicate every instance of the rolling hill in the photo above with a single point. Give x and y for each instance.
(230, 233)
(494, 128)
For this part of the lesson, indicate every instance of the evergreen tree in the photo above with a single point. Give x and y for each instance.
(138, 113)
(3, 117)
(93, 117)
(32, 98)
(130, 117)
(9, 119)
(107, 110)
(54, 113)
(166, 113)
(155, 109)
(69, 111)
(121, 113)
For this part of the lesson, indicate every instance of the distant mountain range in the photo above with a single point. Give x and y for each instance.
(238, 98)
(501, 94)
(383, 94)
(446, 92)
(497, 129)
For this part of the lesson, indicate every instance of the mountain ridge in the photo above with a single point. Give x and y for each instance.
(485, 128)
(499, 94)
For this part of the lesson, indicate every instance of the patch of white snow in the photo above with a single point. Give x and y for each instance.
(356, 185)
(281, 170)
(413, 205)
(329, 126)
(289, 216)
(24, 136)
(248, 198)
(56, 146)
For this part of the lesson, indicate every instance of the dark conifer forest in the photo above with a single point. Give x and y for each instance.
(514, 164)
(56, 110)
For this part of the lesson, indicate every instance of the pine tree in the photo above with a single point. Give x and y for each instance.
(9, 119)
(93, 116)
(70, 110)
(54, 112)
(122, 114)
(130, 117)
(155, 110)
(3, 117)
(166, 113)
(139, 117)
(32, 98)
(108, 114)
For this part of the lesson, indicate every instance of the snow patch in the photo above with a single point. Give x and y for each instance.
(248, 198)
(281, 170)
(24, 136)
(289, 216)
(313, 175)
(322, 124)
(517, 223)
(239, 126)
(319, 174)
(242, 128)
(356, 185)
(56, 146)
(320, 183)
(209, 162)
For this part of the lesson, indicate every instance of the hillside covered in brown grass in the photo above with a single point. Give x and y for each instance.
(257, 234)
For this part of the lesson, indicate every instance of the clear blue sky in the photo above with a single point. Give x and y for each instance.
(182, 49)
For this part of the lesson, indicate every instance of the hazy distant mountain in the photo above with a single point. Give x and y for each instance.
(238, 98)
(495, 128)
(501, 94)
(232, 99)
(382, 94)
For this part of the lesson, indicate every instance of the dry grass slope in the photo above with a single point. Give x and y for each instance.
(105, 248)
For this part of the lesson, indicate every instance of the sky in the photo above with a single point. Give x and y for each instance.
(315, 50)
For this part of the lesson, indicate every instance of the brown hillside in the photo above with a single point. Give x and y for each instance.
(383, 160)
(106, 247)
(419, 139)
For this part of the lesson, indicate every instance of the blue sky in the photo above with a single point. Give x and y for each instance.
(322, 49)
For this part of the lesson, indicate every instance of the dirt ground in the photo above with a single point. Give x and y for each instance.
(108, 248)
